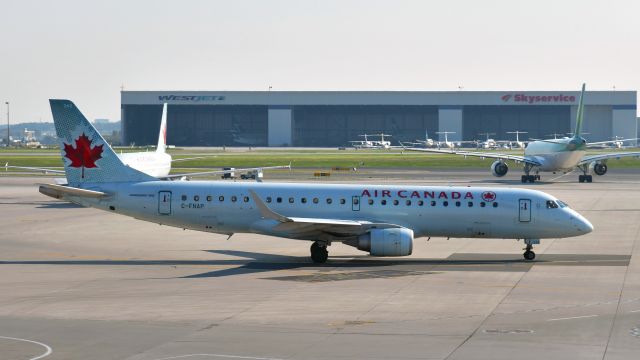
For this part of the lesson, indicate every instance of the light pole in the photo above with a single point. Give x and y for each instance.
(8, 137)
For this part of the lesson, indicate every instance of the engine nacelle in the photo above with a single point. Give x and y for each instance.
(499, 168)
(387, 242)
(600, 168)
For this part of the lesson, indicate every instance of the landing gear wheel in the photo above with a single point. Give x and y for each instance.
(530, 178)
(529, 255)
(585, 178)
(319, 253)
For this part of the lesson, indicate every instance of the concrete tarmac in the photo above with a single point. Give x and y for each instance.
(80, 283)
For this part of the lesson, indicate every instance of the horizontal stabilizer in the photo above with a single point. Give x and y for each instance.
(59, 192)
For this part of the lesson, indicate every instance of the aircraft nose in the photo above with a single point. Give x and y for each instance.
(581, 224)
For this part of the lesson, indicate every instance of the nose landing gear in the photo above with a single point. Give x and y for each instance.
(529, 255)
(319, 253)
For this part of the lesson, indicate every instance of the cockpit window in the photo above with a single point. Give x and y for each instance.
(562, 204)
(551, 204)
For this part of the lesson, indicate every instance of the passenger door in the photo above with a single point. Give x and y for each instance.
(525, 210)
(164, 202)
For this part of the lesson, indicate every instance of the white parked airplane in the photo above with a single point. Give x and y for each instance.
(564, 154)
(517, 143)
(446, 143)
(380, 219)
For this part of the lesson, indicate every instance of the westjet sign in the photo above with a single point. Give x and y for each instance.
(194, 98)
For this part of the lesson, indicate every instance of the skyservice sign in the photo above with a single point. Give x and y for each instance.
(536, 99)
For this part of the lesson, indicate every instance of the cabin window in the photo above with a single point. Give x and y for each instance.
(221, 198)
(246, 199)
(395, 202)
(383, 202)
(551, 204)
(420, 202)
(433, 203)
(315, 200)
(470, 204)
(291, 200)
(356, 201)
(370, 201)
(445, 203)
(209, 198)
(458, 203)
(184, 197)
(495, 204)
(303, 200)
(408, 202)
(196, 198)
(329, 201)
(343, 201)
(278, 199)
(482, 204)
(268, 200)
(234, 198)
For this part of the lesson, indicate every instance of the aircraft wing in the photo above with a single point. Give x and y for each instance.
(36, 169)
(193, 158)
(610, 141)
(301, 226)
(214, 172)
(618, 155)
(516, 158)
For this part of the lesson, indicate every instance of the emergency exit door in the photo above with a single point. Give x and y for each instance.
(164, 202)
(355, 203)
(525, 210)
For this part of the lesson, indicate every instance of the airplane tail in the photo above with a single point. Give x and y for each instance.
(579, 114)
(87, 157)
(162, 137)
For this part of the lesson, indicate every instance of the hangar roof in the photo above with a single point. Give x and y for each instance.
(618, 99)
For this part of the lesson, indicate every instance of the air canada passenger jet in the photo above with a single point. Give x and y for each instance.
(552, 155)
(380, 219)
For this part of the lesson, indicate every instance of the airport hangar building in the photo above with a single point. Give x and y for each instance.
(333, 118)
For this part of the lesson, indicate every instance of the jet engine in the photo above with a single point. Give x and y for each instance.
(386, 242)
(600, 168)
(499, 168)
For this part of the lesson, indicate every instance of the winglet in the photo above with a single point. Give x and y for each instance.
(265, 211)
(579, 114)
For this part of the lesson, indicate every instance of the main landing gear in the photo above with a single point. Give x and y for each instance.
(319, 253)
(530, 178)
(529, 255)
(527, 177)
(585, 177)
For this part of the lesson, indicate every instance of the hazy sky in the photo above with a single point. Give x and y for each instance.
(86, 50)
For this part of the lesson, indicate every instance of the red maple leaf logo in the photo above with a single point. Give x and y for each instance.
(488, 196)
(83, 155)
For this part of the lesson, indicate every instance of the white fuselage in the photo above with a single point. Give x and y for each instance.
(154, 163)
(554, 156)
(223, 207)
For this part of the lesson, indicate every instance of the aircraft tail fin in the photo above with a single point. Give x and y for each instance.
(162, 137)
(579, 114)
(87, 157)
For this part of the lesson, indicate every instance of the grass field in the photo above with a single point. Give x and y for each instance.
(299, 158)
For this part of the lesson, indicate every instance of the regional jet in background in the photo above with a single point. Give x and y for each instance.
(372, 144)
(564, 154)
(380, 219)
